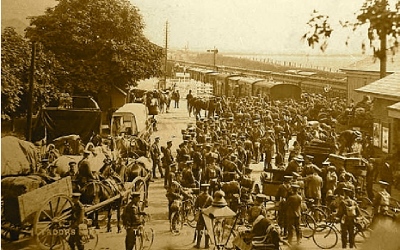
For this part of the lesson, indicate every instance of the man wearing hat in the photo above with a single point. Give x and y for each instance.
(282, 194)
(188, 180)
(308, 168)
(212, 171)
(347, 212)
(313, 186)
(382, 201)
(52, 173)
(257, 209)
(168, 159)
(72, 170)
(204, 200)
(84, 174)
(77, 217)
(331, 179)
(293, 213)
(131, 220)
(155, 154)
(43, 167)
(294, 165)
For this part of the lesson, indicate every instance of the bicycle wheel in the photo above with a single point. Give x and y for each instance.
(307, 225)
(145, 238)
(176, 223)
(325, 236)
(190, 214)
(319, 215)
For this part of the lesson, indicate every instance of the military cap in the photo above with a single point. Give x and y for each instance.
(333, 168)
(71, 163)
(87, 152)
(189, 162)
(295, 186)
(76, 194)
(135, 194)
(298, 158)
(383, 183)
(261, 197)
(326, 163)
(296, 174)
(310, 157)
(45, 160)
(287, 177)
(205, 185)
(347, 189)
(157, 138)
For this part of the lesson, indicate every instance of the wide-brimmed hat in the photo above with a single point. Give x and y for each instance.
(383, 183)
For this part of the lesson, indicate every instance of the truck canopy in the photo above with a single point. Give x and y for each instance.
(130, 119)
(82, 118)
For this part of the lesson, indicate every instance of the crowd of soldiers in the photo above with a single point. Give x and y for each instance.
(220, 147)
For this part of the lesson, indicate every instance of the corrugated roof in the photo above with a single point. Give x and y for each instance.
(387, 87)
(372, 64)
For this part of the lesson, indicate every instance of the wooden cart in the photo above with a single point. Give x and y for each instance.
(44, 213)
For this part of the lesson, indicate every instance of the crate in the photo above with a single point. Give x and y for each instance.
(270, 188)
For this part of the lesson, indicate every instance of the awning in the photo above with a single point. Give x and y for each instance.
(394, 110)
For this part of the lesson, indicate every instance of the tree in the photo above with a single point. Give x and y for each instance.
(15, 68)
(383, 22)
(98, 43)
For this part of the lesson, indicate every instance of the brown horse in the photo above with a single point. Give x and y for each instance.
(139, 172)
(98, 191)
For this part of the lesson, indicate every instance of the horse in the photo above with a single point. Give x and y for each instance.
(133, 147)
(97, 191)
(346, 140)
(198, 104)
(139, 168)
(164, 99)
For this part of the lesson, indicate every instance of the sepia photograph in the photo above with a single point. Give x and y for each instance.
(186, 124)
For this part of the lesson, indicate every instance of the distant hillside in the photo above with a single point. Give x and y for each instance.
(15, 13)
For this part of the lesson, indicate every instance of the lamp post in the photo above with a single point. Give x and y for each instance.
(215, 52)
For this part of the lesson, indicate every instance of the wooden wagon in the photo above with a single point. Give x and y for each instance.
(44, 213)
(355, 165)
(269, 183)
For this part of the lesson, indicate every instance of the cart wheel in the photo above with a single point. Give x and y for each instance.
(51, 224)
(139, 185)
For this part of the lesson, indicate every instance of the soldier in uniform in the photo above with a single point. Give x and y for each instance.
(347, 212)
(77, 217)
(282, 194)
(212, 172)
(293, 213)
(381, 202)
(156, 157)
(257, 209)
(84, 174)
(308, 168)
(131, 220)
(72, 170)
(204, 200)
(188, 179)
(167, 161)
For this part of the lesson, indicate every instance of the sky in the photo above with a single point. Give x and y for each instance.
(262, 26)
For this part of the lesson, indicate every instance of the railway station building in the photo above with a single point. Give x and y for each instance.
(386, 113)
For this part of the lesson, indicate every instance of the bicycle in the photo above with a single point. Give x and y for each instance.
(185, 213)
(144, 236)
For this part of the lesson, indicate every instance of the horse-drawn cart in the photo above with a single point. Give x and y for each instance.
(270, 180)
(45, 212)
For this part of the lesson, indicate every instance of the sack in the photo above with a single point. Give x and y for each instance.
(351, 210)
(176, 204)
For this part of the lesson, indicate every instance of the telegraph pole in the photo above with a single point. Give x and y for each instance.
(166, 55)
(30, 95)
(215, 52)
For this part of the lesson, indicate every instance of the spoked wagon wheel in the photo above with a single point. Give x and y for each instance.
(139, 185)
(51, 224)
